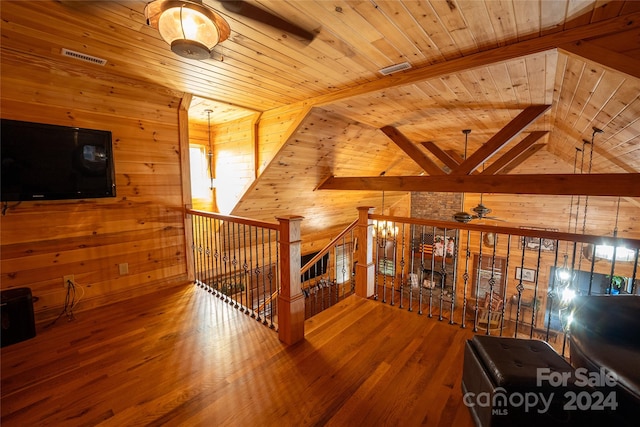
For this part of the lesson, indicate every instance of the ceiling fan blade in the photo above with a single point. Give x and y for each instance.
(248, 10)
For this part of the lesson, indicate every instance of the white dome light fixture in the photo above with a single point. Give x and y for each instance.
(191, 28)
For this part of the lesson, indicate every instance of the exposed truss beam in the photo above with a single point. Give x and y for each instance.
(514, 153)
(605, 57)
(521, 158)
(412, 151)
(492, 56)
(624, 184)
(500, 139)
(441, 155)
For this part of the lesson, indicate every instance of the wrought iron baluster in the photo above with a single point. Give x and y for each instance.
(271, 295)
(466, 280)
(520, 288)
(479, 267)
(454, 277)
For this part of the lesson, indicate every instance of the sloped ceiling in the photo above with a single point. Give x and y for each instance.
(476, 64)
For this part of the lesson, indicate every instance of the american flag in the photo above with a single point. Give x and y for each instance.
(426, 244)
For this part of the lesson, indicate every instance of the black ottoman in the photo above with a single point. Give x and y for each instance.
(499, 383)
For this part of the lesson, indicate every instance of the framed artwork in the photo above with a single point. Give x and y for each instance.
(484, 272)
(535, 243)
(527, 274)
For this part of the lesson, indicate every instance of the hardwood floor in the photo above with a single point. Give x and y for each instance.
(183, 357)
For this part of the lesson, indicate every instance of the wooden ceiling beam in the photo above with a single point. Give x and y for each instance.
(605, 57)
(428, 165)
(622, 184)
(492, 56)
(500, 139)
(514, 153)
(521, 158)
(458, 158)
(441, 155)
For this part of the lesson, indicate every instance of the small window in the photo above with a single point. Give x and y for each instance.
(200, 181)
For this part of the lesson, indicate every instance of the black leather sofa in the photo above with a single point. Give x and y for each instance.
(602, 384)
(605, 334)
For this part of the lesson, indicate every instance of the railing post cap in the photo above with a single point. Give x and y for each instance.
(367, 208)
(290, 218)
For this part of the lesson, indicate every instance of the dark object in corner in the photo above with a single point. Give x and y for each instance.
(16, 314)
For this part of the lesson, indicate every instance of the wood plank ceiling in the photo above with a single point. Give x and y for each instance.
(476, 64)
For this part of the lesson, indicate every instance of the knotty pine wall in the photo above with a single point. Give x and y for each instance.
(143, 226)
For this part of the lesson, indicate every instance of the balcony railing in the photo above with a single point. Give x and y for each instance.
(328, 277)
(496, 280)
(237, 260)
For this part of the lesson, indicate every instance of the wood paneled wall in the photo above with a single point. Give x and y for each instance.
(142, 227)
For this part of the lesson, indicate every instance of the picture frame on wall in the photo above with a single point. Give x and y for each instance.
(527, 274)
(535, 243)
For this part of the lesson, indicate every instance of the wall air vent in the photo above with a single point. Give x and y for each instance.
(83, 57)
(394, 68)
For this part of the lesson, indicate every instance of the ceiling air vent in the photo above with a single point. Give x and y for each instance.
(83, 57)
(394, 68)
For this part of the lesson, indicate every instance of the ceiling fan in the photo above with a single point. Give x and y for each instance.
(481, 211)
(193, 29)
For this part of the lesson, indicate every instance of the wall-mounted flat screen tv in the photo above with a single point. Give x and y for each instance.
(49, 162)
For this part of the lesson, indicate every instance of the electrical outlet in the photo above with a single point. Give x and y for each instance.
(66, 280)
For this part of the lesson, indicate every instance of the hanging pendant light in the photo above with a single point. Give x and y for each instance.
(462, 216)
(191, 28)
(210, 152)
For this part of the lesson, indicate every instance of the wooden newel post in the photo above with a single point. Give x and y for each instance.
(365, 268)
(290, 299)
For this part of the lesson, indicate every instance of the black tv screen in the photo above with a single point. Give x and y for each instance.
(49, 162)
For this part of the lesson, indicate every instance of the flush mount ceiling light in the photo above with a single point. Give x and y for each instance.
(191, 28)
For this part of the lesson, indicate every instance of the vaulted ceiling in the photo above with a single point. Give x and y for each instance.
(475, 64)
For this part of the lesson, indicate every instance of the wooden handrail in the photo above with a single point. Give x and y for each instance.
(327, 248)
(553, 235)
(237, 219)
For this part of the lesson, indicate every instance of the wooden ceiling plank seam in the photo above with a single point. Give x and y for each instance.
(453, 21)
(528, 19)
(426, 17)
(215, 77)
(484, 58)
(390, 29)
(503, 21)
(535, 68)
(589, 82)
(616, 184)
(517, 71)
(42, 45)
(500, 139)
(599, 103)
(608, 116)
(551, 66)
(578, 13)
(477, 19)
(553, 13)
(603, 56)
(513, 153)
(415, 32)
(528, 153)
(334, 17)
(412, 150)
